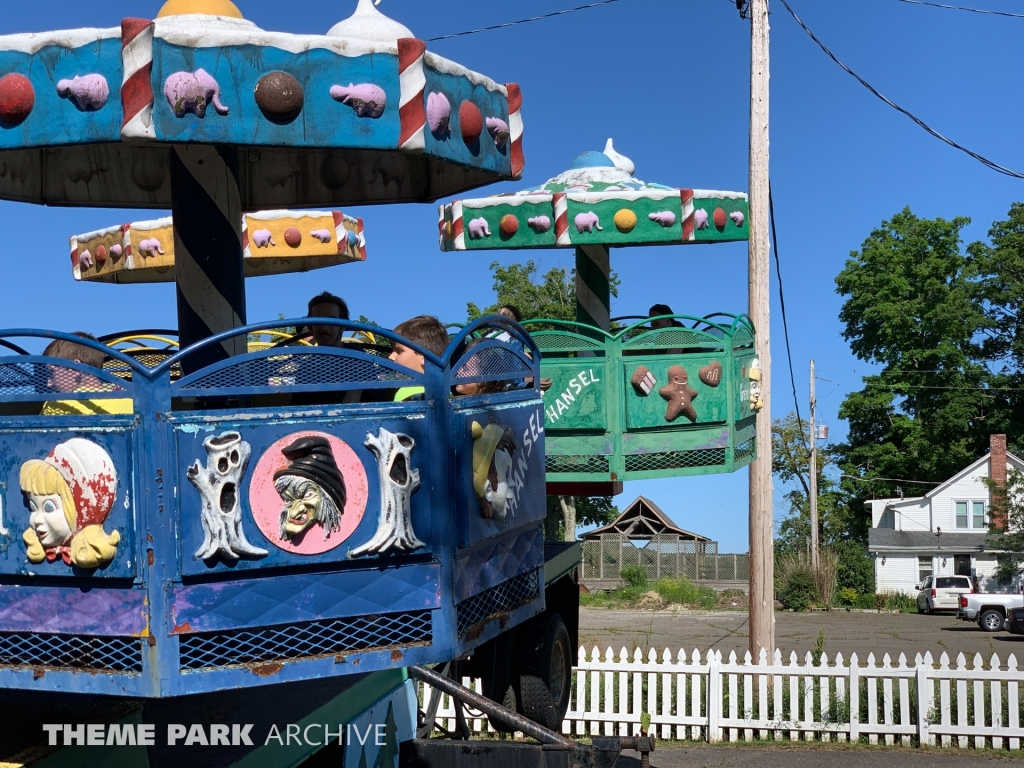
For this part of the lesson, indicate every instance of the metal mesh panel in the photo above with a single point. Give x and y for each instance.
(666, 556)
(307, 639)
(503, 597)
(564, 341)
(583, 464)
(671, 337)
(743, 450)
(49, 378)
(492, 361)
(742, 338)
(646, 462)
(290, 369)
(108, 654)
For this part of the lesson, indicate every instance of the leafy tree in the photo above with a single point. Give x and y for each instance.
(567, 513)
(553, 296)
(911, 306)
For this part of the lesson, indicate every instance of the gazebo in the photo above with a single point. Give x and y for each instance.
(643, 519)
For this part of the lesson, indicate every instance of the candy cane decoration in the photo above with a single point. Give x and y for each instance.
(137, 85)
(76, 266)
(126, 245)
(246, 253)
(561, 206)
(340, 233)
(686, 197)
(458, 228)
(515, 123)
(412, 110)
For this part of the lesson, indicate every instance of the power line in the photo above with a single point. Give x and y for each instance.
(521, 21)
(892, 479)
(782, 304)
(983, 160)
(961, 8)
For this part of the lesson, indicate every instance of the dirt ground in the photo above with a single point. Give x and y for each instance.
(863, 633)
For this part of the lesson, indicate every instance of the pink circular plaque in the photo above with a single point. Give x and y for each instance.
(266, 503)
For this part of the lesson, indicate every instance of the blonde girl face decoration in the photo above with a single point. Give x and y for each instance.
(69, 495)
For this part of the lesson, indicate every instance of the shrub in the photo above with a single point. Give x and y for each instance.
(684, 591)
(798, 592)
(855, 569)
(634, 575)
(865, 601)
(899, 601)
(848, 595)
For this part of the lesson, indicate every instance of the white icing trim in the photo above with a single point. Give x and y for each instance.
(282, 214)
(592, 198)
(148, 226)
(32, 42)
(513, 200)
(712, 193)
(89, 236)
(448, 67)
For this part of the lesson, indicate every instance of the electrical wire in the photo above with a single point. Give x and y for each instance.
(782, 304)
(981, 159)
(962, 8)
(891, 479)
(521, 21)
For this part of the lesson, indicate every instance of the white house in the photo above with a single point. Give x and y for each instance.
(944, 532)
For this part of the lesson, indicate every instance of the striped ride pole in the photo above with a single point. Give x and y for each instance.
(208, 265)
(593, 286)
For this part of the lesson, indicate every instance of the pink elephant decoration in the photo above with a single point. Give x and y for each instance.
(193, 92)
(85, 260)
(737, 218)
(588, 222)
(478, 228)
(323, 235)
(89, 93)
(151, 247)
(263, 238)
(665, 218)
(700, 218)
(366, 99)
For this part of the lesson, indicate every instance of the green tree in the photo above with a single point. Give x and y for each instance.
(567, 513)
(911, 307)
(553, 296)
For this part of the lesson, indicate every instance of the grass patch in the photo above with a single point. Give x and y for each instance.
(680, 591)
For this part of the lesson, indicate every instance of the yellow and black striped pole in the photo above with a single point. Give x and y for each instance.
(210, 277)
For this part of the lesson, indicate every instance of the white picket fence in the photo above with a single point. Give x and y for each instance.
(715, 700)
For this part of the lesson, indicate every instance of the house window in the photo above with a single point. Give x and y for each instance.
(970, 515)
(924, 569)
(978, 514)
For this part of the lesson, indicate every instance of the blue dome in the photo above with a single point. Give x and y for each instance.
(592, 160)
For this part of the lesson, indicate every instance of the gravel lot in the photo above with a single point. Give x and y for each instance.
(848, 632)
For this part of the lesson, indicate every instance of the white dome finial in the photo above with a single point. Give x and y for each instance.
(367, 23)
(622, 162)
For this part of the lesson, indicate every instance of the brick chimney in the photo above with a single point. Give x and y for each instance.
(997, 473)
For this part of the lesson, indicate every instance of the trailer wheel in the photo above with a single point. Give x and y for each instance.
(546, 677)
(991, 620)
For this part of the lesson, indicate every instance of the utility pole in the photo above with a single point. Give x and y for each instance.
(813, 478)
(762, 560)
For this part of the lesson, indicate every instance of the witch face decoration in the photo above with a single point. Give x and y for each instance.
(311, 487)
(69, 495)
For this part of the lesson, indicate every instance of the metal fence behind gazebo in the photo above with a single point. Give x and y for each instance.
(662, 556)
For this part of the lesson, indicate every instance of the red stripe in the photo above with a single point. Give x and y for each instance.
(131, 28)
(686, 195)
(359, 230)
(515, 97)
(413, 116)
(457, 227)
(518, 159)
(74, 258)
(562, 221)
(338, 218)
(137, 93)
(245, 236)
(409, 49)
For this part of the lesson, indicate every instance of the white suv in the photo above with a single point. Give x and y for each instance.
(942, 593)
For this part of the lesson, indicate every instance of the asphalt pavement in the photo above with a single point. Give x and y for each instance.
(812, 757)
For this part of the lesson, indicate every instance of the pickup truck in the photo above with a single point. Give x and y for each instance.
(988, 610)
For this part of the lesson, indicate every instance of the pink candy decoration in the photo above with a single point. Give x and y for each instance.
(150, 247)
(737, 218)
(116, 250)
(263, 238)
(439, 112)
(323, 235)
(700, 218)
(588, 222)
(85, 259)
(193, 92)
(665, 218)
(498, 129)
(539, 224)
(478, 228)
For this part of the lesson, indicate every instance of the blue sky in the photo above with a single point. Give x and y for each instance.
(669, 80)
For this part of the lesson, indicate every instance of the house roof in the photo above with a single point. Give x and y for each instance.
(643, 519)
(1010, 458)
(887, 539)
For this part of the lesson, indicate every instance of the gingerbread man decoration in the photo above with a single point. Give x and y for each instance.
(679, 394)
